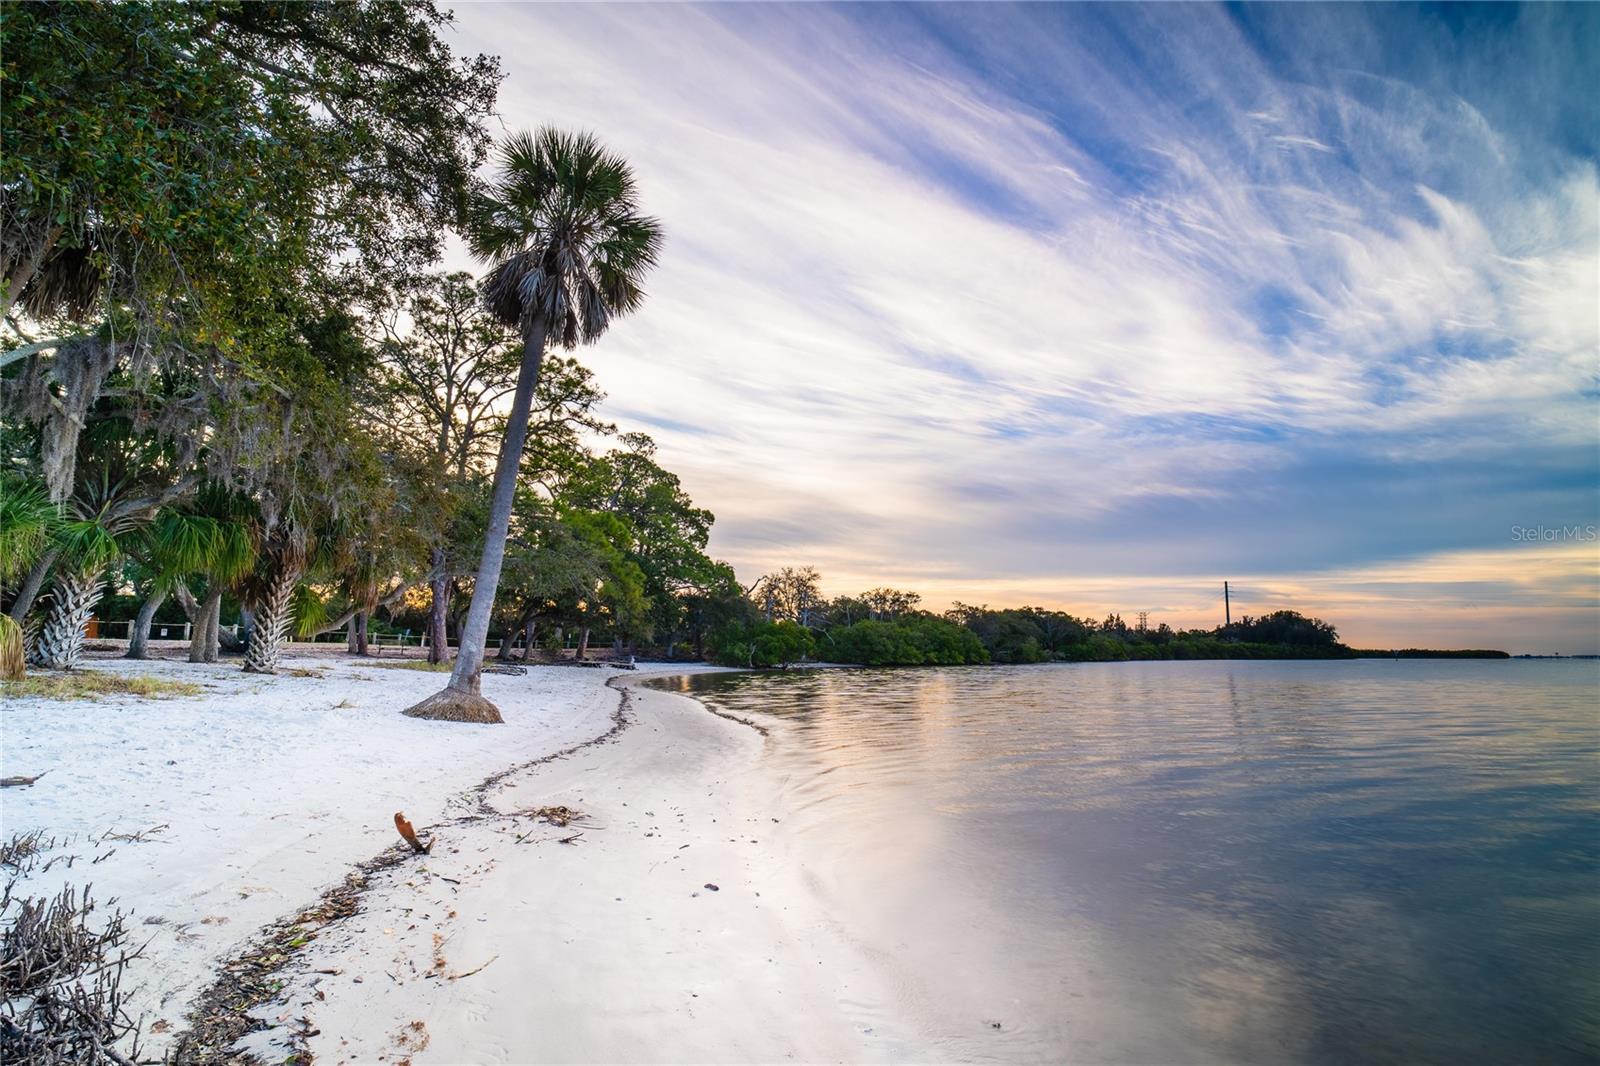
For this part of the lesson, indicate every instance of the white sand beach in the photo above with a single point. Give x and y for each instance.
(504, 944)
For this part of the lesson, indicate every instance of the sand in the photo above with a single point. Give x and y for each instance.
(502, 945)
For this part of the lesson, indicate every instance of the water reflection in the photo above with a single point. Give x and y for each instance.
(1162, 862)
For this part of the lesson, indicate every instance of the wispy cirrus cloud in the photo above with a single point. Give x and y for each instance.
(977, 296)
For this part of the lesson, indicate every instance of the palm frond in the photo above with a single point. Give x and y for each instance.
(87, 545)
(560, 229)
(181, 544)
(68, 283)
(310, 611)
(28, 521)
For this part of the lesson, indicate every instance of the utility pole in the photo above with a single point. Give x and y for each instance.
(1227, 606)
(1144, 621)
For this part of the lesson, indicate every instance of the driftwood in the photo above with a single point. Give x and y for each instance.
(469, 973)
(62, 959)
(13, 782)
(409, 835)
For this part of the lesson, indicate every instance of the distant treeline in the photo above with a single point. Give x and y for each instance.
(790, 621)
(1430, 653)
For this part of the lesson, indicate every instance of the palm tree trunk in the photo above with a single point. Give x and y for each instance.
(465, 678)
(272, 626)
(583, 645)
(438, 638)
(139, 639)
(60, 643)
(528, 630)
(31, 586)
(361, 633)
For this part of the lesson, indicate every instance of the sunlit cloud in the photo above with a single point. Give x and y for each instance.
(1045, 304)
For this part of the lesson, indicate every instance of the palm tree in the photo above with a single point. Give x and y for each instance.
(89, 545)
(567, 251)
(28, 522)
(286, 552)
(213, 537)
(123, 476)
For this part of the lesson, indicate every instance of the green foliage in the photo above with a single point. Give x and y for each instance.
(195, 157)
(211, 536)
(1033, 635)
(657, 526)
(310, 612)
(762, 644)
(87, 544)
(28, 522)
(1284, 627)
(1427, 653)
(911, 640)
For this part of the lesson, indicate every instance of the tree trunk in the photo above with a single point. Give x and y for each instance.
(506, 640)
(139, 639)
(191, 609)
(247, 623)
(60, 643)
(31, 586)
(272, 626)
(527, 638)
(438, 610)
(465, 678)
(27, 268)
(203, 626)
(361, 632)
(583, 645)
(214, 631)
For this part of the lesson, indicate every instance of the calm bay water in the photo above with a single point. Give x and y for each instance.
(1376, 861)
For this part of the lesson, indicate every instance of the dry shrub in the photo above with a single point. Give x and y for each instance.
(96, 684)
(61, 968)
(12, 657)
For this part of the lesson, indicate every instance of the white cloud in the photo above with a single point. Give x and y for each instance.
(914, 323)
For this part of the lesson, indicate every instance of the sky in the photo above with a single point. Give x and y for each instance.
(1093, 307)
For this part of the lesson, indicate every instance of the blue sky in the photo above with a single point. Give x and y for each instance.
(1095, 306)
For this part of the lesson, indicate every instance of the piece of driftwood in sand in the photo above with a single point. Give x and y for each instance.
(409, 835)
(20, 781)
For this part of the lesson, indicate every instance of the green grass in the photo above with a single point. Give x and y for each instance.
(95, 684)
(415, 664)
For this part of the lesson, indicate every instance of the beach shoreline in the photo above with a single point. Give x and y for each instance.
(669, 921)
(503, 944)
